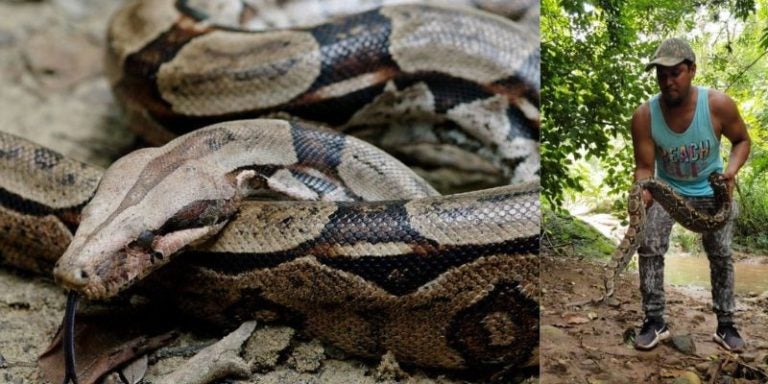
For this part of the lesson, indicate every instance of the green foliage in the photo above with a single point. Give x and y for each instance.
(567, 235)
(753, 200)
(764, 38)
(688, 241)
(593, 196)
(738, 63)
(593, 79)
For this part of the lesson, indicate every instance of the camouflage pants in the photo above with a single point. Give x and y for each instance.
(716, 244)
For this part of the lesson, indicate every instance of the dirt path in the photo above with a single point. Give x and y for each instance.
(591, 344)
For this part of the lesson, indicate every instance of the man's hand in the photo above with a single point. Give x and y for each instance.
(730, 183)
(731, 126)
(647, 198)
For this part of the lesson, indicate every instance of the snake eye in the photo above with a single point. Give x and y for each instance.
(155, 255)
(145, 239)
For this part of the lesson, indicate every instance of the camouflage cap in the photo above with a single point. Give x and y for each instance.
(671, 52)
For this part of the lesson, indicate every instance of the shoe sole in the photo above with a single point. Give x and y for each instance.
(719, 340)
(659, 338)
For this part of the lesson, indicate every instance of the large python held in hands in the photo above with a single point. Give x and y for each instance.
(377, 260)
(680, 210)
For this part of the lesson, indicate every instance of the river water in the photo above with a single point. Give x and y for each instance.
(684, 269)
(694, 271)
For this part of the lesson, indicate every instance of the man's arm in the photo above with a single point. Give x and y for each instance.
(642, 144)
(732, 127)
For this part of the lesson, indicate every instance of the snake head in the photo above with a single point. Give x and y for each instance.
(719, 185)
(149, 205)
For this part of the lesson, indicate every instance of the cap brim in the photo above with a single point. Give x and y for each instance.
(664, 62)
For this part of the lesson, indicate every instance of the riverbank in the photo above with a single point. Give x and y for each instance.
(593, 343)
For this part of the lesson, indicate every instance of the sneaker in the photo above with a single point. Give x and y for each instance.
(654, 330)
(727, 336)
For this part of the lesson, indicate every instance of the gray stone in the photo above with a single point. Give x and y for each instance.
(216, 361)
(613, 302)
(684, 344)
(559, 366)
(263, 349)
(389, 370)
(591, 365)
(687, 378)
(749, 357)
(307, 357)
(553, 336)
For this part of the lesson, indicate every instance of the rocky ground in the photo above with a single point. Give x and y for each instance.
(31, 309)
(593, 343)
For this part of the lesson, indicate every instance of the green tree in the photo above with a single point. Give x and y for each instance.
(593, 79)
(735, 59)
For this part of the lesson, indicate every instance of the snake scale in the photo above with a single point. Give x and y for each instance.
(375, 260)
(680, 210)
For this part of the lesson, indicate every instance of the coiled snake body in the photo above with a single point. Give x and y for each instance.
(676, 206)
(377, 261)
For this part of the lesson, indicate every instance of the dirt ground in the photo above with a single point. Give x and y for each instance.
(31, 309)
(593, 343)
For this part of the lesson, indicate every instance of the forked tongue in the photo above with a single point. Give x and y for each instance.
(70, 372)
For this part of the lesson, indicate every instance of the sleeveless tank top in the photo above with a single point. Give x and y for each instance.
(685, 160)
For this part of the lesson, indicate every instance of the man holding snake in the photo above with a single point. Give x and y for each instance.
(676, 137)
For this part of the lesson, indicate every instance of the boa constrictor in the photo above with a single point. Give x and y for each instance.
(680, 210)
(439, 281)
